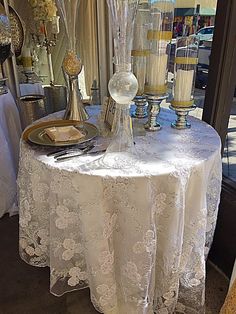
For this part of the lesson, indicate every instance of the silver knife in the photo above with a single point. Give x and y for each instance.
(73, 150)
(72, 155)
(81, 146)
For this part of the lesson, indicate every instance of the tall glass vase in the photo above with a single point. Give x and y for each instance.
(72, 64)
(123, 85)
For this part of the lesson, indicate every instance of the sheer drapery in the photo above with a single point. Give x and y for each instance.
(87, 41)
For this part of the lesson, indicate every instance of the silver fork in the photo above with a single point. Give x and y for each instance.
(76, 147)
(71, 156)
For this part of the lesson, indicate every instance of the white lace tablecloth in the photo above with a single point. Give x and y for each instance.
(137, 237)
(10, 133)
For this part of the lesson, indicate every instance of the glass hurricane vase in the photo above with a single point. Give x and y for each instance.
(123, 85)
(72, 64)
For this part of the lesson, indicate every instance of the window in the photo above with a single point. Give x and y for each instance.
(202, 32)
(209, 30)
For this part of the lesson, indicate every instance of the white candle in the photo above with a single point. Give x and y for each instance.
(27, 60)
(183, 85)
(55, 25)
(157, 69)
(139, 70)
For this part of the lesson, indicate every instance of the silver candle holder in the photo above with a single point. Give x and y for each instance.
(154, 107)
(141, 107)
(182, 113)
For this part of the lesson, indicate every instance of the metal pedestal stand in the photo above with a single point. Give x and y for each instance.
(181, 121)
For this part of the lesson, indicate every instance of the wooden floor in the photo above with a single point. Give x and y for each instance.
(25, 289)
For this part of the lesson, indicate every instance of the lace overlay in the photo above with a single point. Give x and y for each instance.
(137, 237)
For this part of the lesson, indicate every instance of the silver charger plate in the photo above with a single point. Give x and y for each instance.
(37, 134)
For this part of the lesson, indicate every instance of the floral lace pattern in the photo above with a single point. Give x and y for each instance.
(139, 237)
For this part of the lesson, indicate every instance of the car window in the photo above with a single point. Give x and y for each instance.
(202, 32)
(209, 31)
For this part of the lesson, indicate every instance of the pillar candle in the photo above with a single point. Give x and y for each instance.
(55, 25)
(157, 69)
(27, 60)
(139, 70)
(183, 85)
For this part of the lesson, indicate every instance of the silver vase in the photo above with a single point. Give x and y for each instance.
(75, 109)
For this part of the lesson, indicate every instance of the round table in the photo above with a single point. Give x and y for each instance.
(10, 133)
(137, 237)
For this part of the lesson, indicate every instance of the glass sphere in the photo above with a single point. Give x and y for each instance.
(123, 87)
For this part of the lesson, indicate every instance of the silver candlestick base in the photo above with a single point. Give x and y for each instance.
(75, 109)
(154, 107)
(141, 107)
(30, 77)
(181, 122)
(3, 87)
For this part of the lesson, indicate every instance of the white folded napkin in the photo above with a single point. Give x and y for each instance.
(64, 133)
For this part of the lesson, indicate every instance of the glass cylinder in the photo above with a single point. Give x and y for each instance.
(69, 9)
(185, 66)
(140, 44)
(123, 85)
(159, 36)
(72, 64)
(123, 13)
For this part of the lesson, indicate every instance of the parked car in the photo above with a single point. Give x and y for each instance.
(205, 33)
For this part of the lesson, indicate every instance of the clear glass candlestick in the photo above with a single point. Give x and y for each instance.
(159, 36)
(139, 54)
(123, 85)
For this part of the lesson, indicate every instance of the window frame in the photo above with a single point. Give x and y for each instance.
(216, 112)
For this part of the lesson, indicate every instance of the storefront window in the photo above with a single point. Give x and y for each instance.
(195, 21)
(229, 157)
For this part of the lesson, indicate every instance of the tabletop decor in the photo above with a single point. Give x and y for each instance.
(32, 107)
(60, 133)
(186, 59)
(123, 85)
(139, 56)
(159, 37)
(72, 64)
(27, 63)
(109, 112)
(5, 46)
